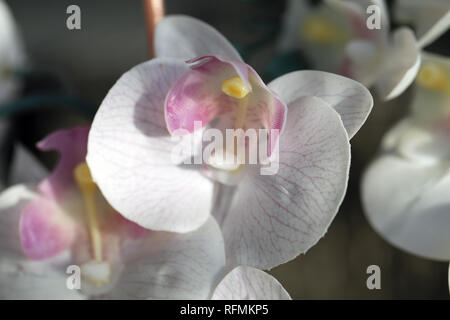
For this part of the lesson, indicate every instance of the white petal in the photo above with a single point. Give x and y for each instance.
(417, 143)
(349, 98)
(173, 266)
(21, 278)
(245, 283)
(407, 203)
(184, 37)
(130, 154)
(361, 52)
(426, 231)
(401, 65)
(364, 58)
(274, 218)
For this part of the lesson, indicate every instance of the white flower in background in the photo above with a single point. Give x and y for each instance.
(322, 31)
(12, 55)
(64, 221)
(336, 38)
(405, 191)
(266, 219)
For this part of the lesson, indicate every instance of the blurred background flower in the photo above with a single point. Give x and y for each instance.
(412, 210)
(69, 71)
(355, 38)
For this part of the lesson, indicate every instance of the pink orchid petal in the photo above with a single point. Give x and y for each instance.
(44, 230)
(130, 153)
(349, 98)
(270, 111)
(245, 283)
(274, 218)
(126, 228)
(71, 145)
(172, 265)
(20, 277)
(198, 96)
(185, 38)
(241, 68)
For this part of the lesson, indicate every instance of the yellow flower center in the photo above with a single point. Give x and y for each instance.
(235, 87)
(319, 30)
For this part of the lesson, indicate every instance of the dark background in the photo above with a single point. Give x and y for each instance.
(113, 38)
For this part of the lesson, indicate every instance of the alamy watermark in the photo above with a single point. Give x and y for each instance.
(374, 20)
(73, 21)
(73, 281)
(374, 280)
(238, 147)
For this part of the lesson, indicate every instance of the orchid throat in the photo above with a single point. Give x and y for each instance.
(97, 271)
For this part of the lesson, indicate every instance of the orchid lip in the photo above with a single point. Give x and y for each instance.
(229, 94)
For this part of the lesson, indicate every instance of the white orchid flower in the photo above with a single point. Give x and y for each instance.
(337, 38)
(405, 191)
(12, 55)
(267, 219)
(64, 221)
